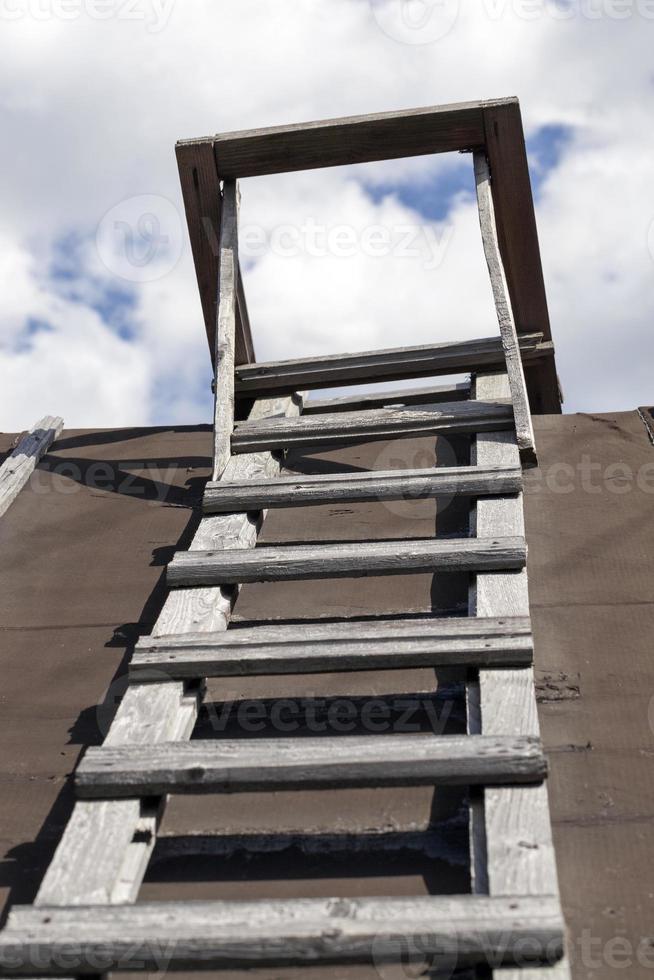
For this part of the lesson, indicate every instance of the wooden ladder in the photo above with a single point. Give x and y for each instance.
(85, 919)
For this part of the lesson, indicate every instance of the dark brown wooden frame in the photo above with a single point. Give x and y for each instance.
(494, 126)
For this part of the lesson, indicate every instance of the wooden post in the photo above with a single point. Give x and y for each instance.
(16, 469)
(516, 374)
(518, 239)
(512, 850)
(202, 203)
(101, 858)
(228, 273)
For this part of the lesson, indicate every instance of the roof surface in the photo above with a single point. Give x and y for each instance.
(84, 547)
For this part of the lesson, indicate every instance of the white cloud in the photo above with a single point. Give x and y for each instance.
(78, 370)
(90, 113)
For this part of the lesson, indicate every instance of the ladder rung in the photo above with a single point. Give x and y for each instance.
(352, 559)
(427, 395)
(315, 647)
(384, 423)
(392, 364)
(225, 766)
(457, 929)
(298, 491)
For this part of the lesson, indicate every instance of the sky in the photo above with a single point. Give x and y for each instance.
(100, 319)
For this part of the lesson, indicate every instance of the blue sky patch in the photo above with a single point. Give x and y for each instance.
(33, 326)
(545, 147)
(116, 305)
(432, 198)
(113, 300)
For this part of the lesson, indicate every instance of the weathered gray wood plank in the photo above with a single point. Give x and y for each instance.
(89, 864)
(228, 274)
(516, 822)
(518, 238)
(243, 327)
(383, 423)
(101, 851)
(455, 930)
(21, 462)
(316, 647)
(352, 139)
(523, 426)
(392, 364)
(348, 560)
(202, 203)
(301, 491)
(309, 763)
(428, 395)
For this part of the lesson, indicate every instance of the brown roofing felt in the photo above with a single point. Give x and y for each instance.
(84, 547)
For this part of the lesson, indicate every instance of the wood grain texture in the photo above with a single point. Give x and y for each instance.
(382, 423)
(302, 491)
(223, 419)
(314, 647)
(244, 341)
(522, 415)
(353, 139)
(160, 936)
(428, 395)
(202, 200)
(518, 240)
(355, 559)
(391, 364)
(110, 843)
(98, 837)
(517, 831)
(227, 766)
(89, 865)
(22, 461)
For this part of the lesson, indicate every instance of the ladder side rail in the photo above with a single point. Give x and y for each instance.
(228, 275)
(102, 857)
(515, 835)
(510, 343)
(21, 461)
(518, 237)
(200, 186)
